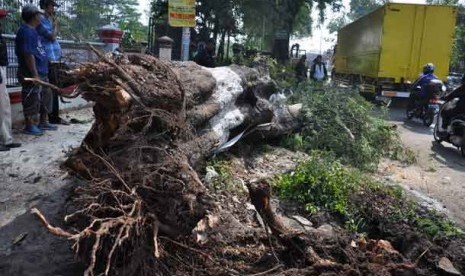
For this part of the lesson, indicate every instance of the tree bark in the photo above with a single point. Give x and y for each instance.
(260, 196)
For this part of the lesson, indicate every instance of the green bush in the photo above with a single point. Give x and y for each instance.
(322, 183)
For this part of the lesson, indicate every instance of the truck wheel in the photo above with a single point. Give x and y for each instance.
(435, 133)
(462, 148)
(384, 101)
(410, 112)
(428, 119)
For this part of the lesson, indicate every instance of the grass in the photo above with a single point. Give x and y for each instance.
(224, 178)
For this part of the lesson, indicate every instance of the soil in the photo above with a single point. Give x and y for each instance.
(31, 177)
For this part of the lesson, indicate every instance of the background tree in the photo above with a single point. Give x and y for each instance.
(458, 48)
(357, 9)
(269, 23)
(90, 14)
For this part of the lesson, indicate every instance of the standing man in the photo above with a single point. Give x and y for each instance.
(301, 69)
(318, 70)
(6, 139)
(48, 32)
(33, 63)
(206, 55)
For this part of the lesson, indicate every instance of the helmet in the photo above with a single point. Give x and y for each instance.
(428, 68)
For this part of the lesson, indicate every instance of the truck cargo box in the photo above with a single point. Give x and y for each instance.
(392, 43)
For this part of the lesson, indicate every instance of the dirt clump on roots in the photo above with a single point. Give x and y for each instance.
(145, 210)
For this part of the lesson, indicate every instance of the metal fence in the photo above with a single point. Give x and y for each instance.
(72, 53)
(13, 19)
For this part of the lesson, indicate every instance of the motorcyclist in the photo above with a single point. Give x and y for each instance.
(423, 82)
(450, 109)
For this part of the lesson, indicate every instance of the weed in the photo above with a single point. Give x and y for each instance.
(224, 178)
(433, 224)
(293, 141)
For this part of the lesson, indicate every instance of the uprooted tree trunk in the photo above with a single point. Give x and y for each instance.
(145, 211)
(155, 126)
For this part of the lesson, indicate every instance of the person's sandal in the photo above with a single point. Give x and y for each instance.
(33, 130)
(63, 122)
(13, 145)
(4, 148)
(47, 126)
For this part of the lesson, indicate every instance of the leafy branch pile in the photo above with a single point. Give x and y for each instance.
(341, 121)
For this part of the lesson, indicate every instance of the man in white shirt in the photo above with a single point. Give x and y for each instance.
(6, 139)
(318, 70)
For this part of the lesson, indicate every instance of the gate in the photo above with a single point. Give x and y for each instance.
(156, 30)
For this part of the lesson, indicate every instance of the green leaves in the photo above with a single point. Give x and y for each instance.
(341, 121)
(320, 182)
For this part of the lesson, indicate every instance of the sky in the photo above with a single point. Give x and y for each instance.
(144, 7)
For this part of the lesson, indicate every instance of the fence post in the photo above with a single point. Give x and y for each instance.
(110, 35)
(166, 47)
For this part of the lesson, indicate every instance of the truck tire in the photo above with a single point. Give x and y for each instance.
(428, 119)
(462, 148)
(435, 133)
(410, 112)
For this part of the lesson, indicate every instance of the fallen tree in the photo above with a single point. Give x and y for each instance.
(145, 209)
(155, 125)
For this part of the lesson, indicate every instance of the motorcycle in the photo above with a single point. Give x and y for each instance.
(427, 111)
(455, 133)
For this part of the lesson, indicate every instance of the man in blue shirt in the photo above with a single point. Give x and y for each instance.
(48, 32)
(33, 63)
(424, 83)
(424, 80)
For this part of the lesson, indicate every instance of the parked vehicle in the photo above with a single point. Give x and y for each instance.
(455, 133)
(427, 109)
(453, 81)
(383, 52)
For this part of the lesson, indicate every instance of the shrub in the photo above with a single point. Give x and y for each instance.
(322, 183)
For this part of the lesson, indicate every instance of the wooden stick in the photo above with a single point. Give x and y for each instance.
(422, 254)
(189, 248)
(268, 271)
(59, 90)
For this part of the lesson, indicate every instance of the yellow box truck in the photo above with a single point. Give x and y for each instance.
(384, 51)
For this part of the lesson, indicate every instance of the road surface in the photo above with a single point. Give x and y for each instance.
(439, 172)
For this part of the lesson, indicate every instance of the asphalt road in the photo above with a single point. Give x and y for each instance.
(440, 170)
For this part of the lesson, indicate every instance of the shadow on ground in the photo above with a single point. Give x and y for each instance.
(27, 248)
(448, 156)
